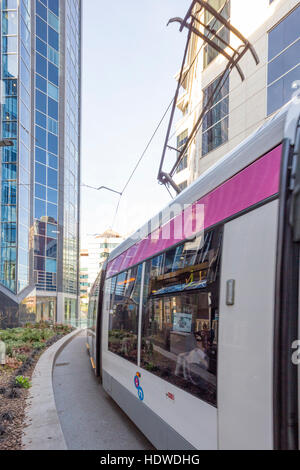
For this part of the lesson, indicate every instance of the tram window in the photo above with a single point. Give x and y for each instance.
(92, 313)
(157, 265)
(111, 288)
(93, 304)
(90, 323)
(180, 316)
(123, 323)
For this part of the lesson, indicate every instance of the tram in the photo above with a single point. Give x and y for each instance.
(194, 320)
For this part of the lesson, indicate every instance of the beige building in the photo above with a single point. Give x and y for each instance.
(84, 280)
(272, 26)
(98, 248)
(92, 258)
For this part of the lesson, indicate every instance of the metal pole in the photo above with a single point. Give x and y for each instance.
(174, 107)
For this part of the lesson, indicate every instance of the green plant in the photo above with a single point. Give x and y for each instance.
(12, 346)
(21, 357)
(150, 366)
(23, 382)
(21, 341)
(63, 328)
(38, 345)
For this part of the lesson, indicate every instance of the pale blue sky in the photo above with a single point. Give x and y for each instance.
(130, 58)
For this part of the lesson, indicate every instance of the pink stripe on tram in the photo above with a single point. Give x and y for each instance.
(249, 187)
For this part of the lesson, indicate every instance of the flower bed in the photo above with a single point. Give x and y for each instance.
(23, 349)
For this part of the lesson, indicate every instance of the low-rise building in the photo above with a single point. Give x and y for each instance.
(99, 247)
(92, 258)
(84, 281)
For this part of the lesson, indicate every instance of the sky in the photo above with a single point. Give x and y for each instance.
(130, 58)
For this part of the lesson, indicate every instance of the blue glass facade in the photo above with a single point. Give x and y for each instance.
(39, 186)
(46, 161)
(71, 160)
(9, 165)
(24, 147)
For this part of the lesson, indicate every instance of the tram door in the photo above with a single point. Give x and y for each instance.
(245, 370)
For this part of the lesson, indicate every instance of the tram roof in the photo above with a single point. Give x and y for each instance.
(266, 137)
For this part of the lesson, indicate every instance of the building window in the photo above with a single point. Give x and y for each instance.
(181, 141)
(284, 60)
(216, 121)
(224, 8)
(93, 304)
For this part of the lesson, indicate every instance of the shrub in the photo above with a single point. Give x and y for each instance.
(13, 345)
(21, 357)
(22, 382)
(21, 341)
(38, 345)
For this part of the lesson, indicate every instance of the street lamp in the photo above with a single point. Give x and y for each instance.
(103, 187)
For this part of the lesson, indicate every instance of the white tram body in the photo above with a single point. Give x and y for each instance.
(196, 331)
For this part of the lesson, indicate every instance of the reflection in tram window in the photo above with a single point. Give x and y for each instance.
(180, 316)
(124, 308)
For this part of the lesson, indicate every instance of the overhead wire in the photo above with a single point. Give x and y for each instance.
(150, 141)
(156, 130)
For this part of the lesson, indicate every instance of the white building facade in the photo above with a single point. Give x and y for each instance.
(272, 26)
(98, 248)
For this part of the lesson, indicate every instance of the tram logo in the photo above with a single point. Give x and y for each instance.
(138, 387)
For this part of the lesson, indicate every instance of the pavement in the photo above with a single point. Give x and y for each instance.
(42, 426)
(89, 418)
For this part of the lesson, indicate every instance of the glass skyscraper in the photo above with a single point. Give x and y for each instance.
(40, 173)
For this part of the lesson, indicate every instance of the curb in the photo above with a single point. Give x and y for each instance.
(43, 430)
